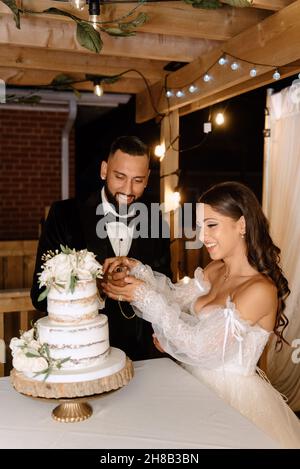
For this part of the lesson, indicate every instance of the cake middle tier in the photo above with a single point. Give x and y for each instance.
(84, 345)
(65, 306)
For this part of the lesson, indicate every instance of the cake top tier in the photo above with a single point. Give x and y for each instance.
(62, 270)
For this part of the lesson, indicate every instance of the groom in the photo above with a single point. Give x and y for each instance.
(75, 223)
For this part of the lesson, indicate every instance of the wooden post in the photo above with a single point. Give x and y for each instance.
(169, 181)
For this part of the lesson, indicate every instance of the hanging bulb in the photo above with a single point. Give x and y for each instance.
(222, 60)
(94, 12)
(220, 118)
(253, 72)
(193, 88)
(93, 19)
(206, 77)
(234, 66)
(78, 4)
(180, 94)
(169, 94)
(276, 75)
(176, 197)
(98, 90)
(160, 150)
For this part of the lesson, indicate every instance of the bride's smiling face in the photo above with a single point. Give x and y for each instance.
(220, 234)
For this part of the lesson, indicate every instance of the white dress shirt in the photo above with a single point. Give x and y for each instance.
(120, 235)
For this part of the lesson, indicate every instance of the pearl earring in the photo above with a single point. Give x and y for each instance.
(242, 235)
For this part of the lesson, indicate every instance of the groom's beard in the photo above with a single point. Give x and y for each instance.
(123, 208)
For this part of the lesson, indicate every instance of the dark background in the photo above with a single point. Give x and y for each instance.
(233, 151)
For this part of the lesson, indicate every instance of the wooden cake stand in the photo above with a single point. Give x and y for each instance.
(71, 396)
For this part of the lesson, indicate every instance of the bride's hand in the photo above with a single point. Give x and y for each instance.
(122, 293)
(118, 264)
(157, 343)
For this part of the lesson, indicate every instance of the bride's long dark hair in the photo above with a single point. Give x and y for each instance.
(233, 199)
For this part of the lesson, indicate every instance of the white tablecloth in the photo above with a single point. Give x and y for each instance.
(162, 407)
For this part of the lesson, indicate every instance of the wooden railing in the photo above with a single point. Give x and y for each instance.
(17, 260)
(18, 302)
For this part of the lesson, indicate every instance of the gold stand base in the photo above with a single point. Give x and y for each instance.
(70, 412)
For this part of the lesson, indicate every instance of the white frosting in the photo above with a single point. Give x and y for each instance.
(86, 344)
(115, 362)
(67, 307)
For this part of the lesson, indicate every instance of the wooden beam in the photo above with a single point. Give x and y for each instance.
(54, 34)
(249, 85)
(17, 77)
(275, 41)
(63, 62)
(176, 18)
(180, 19)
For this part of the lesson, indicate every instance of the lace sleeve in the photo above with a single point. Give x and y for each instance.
(182, 293)
(209, 340)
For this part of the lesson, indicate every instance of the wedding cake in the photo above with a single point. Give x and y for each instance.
(71, 344)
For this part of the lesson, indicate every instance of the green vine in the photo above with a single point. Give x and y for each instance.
(90, 38)
(86, 35)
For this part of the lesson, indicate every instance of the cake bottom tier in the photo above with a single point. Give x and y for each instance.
(81, 346)
(114, 362)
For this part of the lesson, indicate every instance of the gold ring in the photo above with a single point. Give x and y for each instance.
(120, 298)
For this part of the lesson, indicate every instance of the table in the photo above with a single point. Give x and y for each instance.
(163, 406)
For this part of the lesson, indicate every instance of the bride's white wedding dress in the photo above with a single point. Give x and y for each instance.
(218, 347)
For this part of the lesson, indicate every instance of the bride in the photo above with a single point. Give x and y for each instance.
(218, 324)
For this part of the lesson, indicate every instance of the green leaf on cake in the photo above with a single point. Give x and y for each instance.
(73, 281)
(44, 294)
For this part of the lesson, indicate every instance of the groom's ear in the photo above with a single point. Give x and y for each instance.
(103, 170)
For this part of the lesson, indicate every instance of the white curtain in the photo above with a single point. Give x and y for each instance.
(282, 207)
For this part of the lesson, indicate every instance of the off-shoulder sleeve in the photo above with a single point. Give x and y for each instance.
(208, 340)
(184, 294)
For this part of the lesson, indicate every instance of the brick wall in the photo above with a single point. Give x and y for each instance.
(30, 169)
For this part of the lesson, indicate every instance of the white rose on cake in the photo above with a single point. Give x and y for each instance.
(63, 269)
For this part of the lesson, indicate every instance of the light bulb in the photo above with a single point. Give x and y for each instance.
(206, 77)
(78, 4)
(169, 94)
(98, 90)
(176, 198)
(234, 66)
(193, 88)
(222, 60)
(179, 94)
(160, 150)
(220, 118)
(276, 75)
(93, 19)
(253, 72)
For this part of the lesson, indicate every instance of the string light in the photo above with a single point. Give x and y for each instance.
(224, 59)
(160, 150)
(220, 118)
(98, 90)
(78, 4)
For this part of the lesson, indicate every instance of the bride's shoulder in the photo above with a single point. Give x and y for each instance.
(257, 299)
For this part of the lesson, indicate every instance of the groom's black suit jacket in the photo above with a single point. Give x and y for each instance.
(73, 223)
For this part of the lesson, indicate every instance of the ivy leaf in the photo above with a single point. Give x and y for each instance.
(119, 32)
(238, 3)
(12, 5)
(88, 37)
(62, 80)
(32, 354)
(43, 295)
(141, 19)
